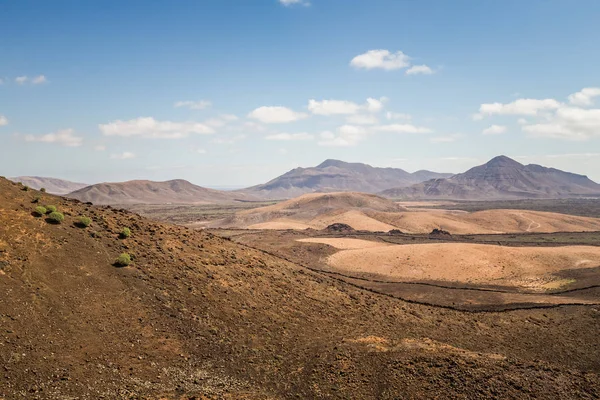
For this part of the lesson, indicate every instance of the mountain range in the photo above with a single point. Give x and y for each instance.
(335, 176)
(52, 185)
(501, 178)
(176, 191)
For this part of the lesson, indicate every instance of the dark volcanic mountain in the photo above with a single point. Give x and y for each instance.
(502, 178)
(335, 176)
(52, 185)
(176, 191)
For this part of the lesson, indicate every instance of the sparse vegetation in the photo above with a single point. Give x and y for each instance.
(56, 217)
(40, 211)
(50, 209)
(96, 235)
(25, 188)
(123, 260)
(43, 190)
(125, 233)
(36, 199)
(84, 221)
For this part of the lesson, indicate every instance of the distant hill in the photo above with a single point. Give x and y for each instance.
(52, 185)
(335, 176)
(501, 178)
(177, 191)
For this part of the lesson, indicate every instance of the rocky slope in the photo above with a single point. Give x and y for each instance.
(501, 178)
(197, 316)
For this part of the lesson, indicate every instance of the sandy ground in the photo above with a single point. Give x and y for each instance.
(345, 244)
(525, 267)
(457, 222)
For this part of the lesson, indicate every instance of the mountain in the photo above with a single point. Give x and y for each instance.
(335, 176)
(501, 178)
(176, 191)
(52, 185)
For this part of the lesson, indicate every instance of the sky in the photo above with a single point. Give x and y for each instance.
(231, 93)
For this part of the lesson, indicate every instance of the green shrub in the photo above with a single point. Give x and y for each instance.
(25, 188)
(125, 233)
(50, 209)
(39, 210)
(123, 260)
(43, 190)
(36, 199)
(96, 235)
(56, 217)
(84, 221)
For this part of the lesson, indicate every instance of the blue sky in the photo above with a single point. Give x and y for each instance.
(233, 93)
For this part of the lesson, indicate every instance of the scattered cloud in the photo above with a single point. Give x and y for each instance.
(276, 115)
(254, 126)
(402, 128)
(21, 79)
(148, 127)
(446, 138)
(345, 136)
(100, 147)
(345, 107)
(522, 121)
(584, 97)
(518, 107)
(126, 155)
(193, 105)
(201, 151)
(289, 3)
(419, 69)
(290, 136)
(392, 115)
(362, 119)
(568, 123)
(282, 151)
(221, 120)
(3, 120)
(38, 80)
(494, 130)
(332, 107)
(1, 81)
(65, 137)
(382, 59)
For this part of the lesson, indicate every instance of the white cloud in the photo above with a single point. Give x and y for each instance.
(381, 58)
(568, 123)
(39, 80)
(419, 69)
(332, 107)
(290, 136)
(21, 79)
(446, 138)
(362, 119)
(345, 107)
(282, 151)
(254, 126)
(584, 97)
(402, 128)
(289, 3)
(193, 105)
(3, 120)
(63, 137)
(201, 151)
(517, 107)
(221, 120)
(494, 130)
(100, 147)
(521, 121)
(392, 115)
(276, 115)
(126, 155)
(148, 127)
(346, 136)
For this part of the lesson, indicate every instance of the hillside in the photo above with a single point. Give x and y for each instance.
(501, 178)
(335, 176)
(176, 191)
(52, 185)
(304, 212)
(197, 316)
